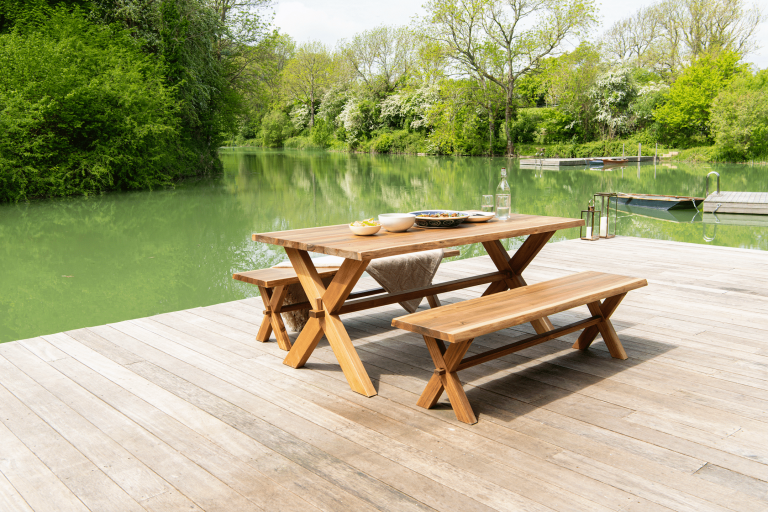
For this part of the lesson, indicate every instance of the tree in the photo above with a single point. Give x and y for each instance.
(739, 119)
(381, 57)
(673, 33)
(83, 110)
(504, 40)
(307, 76)
(613, 93)
(686, 114)
(569, 80)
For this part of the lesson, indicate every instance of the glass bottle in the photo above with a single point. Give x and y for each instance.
(503, 197)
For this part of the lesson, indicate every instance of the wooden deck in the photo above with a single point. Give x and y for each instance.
(755, 203)
(185, 411)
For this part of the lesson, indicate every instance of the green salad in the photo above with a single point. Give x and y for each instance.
(366, 222)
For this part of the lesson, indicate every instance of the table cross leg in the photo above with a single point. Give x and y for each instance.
(273, 303)
(445, 378)
(514, 267)
(325, 320)
(605, 327)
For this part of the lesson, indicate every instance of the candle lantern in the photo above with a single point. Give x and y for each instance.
(591, 218)
(609, 213)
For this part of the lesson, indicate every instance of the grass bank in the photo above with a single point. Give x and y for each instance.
(409, 143)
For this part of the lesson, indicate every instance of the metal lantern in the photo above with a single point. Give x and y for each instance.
(591, 218)
(610, 214)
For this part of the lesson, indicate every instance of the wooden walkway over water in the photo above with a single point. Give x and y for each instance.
(755, 203)
(185, 411)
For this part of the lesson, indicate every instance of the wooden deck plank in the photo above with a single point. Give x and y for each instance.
(186, 411)
(118, 463)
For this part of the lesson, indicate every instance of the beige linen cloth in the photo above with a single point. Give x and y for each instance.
(393, 273)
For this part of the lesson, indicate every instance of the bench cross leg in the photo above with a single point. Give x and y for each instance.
(604, 327)
(445, 378)
(514, 267)
(273, 303)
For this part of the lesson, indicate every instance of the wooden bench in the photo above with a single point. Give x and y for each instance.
(273, 286)
(459, 323)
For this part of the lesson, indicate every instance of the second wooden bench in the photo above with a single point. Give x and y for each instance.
(460, 323)
(273, 286)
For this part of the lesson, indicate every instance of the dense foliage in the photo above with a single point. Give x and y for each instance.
(457, 84)
(98, 95)
(83, 110)
(115, 94)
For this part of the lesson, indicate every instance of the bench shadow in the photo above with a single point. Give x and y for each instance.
(513, 385)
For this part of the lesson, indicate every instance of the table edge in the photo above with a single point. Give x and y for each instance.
(567, 223)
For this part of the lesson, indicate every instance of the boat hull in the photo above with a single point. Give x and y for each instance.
(660, 202)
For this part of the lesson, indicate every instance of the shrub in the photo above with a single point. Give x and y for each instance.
(321, 133)
(83, 110)
(685, 115)
(739, 119)
(275, 128)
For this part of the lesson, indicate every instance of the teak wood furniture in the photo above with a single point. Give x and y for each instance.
(273, 286)
(459, 324)
(331, 302)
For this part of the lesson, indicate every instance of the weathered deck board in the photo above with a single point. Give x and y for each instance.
(186, 411)
(755, 203)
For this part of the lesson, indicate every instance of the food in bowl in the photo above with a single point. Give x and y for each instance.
(443, 215)
(439, 218)
(397, 222)
(366, 222)
(365, 227)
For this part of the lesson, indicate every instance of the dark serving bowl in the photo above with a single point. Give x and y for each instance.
(423, 220)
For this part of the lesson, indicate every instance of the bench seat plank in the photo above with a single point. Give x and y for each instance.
(469, 319)
(272, 277)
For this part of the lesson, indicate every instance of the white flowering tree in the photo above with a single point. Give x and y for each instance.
(613, 93)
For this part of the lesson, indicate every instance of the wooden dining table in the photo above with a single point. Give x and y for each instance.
(329, 303)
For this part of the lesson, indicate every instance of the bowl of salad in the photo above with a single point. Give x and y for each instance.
(439, 218)
(365, 227)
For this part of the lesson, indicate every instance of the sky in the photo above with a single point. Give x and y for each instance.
(330, 20)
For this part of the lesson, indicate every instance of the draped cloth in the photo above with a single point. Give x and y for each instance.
(393, 273)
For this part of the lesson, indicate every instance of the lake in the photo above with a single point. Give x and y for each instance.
(70, 263)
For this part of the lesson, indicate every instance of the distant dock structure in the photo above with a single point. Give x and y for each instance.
(754, 203)
(556, 164)
(750, 203)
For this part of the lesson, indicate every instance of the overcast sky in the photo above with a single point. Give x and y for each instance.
(331, 20)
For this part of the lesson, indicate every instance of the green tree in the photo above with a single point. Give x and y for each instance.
(685, 115)
(569, 81)
(83, 110)
(381, 58)
(739, 119)
(504, 40)
(309, 74)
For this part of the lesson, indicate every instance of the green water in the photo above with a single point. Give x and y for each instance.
(89, 261)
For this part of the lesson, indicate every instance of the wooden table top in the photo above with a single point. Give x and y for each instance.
(340, 241)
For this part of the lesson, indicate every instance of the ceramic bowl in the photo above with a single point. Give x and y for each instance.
(397, 222)
(423, 219)
(364, 230)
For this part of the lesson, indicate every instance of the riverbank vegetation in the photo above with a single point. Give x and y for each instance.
(466, 79)
(117, 94)
(99, 95)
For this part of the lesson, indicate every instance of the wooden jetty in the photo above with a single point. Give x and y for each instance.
(560, 163)
(185, 411)
(754, 203)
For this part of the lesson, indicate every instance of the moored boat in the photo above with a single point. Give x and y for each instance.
(660, 202)
(607, 162)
